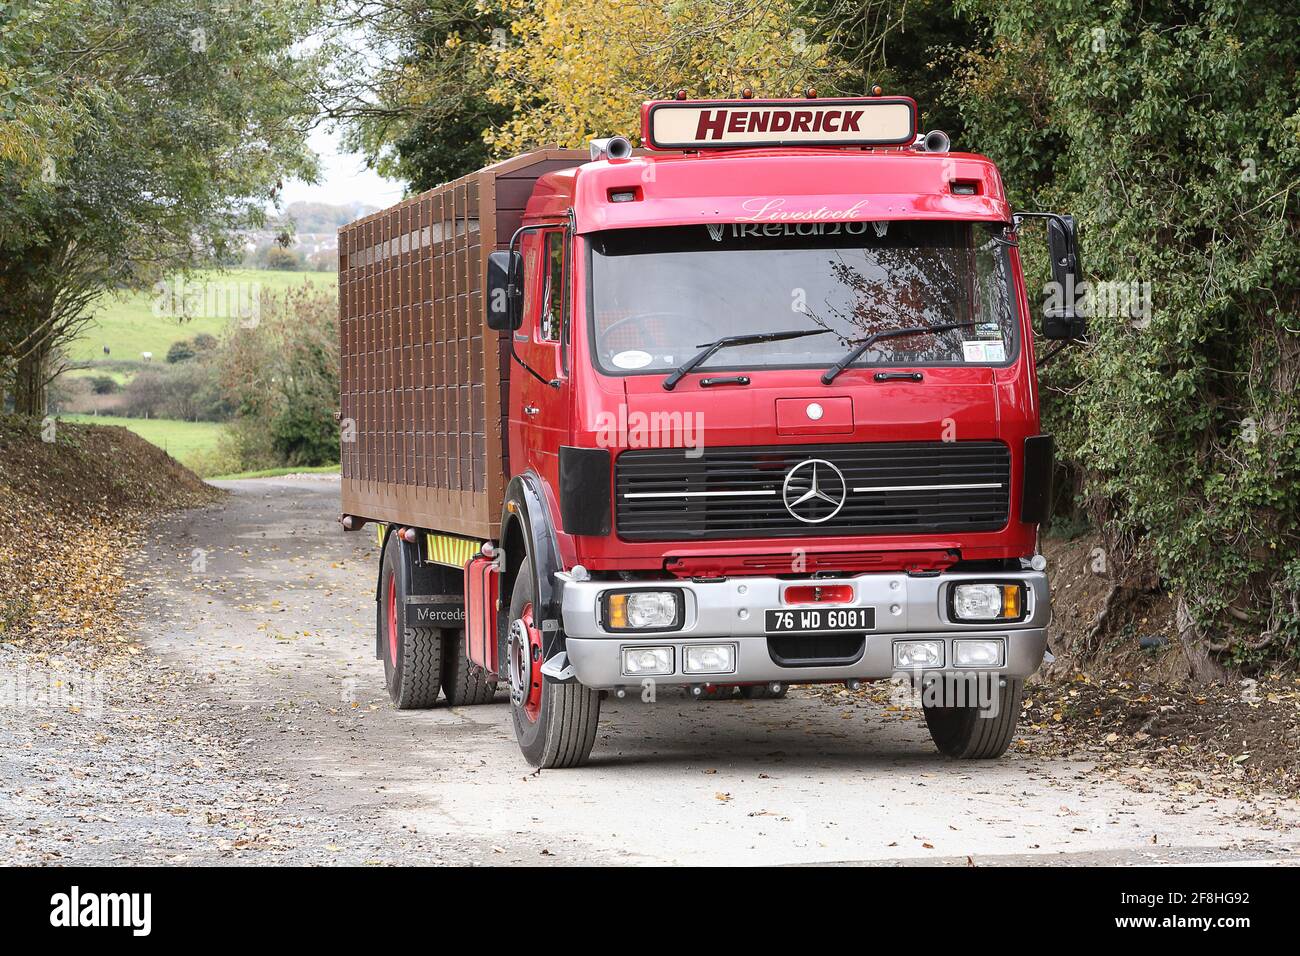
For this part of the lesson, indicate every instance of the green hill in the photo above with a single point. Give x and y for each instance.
(128, 325)
(184, 441)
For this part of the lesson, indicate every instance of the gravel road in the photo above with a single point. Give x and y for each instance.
(252, 727)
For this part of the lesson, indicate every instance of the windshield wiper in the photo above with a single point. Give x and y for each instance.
(753, 338)
(863, 344)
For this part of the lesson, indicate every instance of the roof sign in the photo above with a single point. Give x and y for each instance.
(727, 124)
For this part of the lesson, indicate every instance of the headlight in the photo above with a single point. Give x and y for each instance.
(647, 661)
(709, 659)
(987, 602)
(983, 653)
(918, 654)
(642, 610)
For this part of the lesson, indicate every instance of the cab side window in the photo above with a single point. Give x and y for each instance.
(554, 301)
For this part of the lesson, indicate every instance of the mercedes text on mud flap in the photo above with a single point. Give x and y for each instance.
(754, 406)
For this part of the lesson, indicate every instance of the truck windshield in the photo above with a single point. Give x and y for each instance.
(660, 294)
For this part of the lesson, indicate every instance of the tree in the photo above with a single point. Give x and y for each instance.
(412, 93)
(581, 68)
(439, 88)
(153, 129)
(281, 376)
(181, 351)
(278, 257)
(907, 47)
(1172, 130)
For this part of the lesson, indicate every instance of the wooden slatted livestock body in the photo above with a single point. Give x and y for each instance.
(423, 380)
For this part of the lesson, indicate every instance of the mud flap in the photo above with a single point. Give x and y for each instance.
(434, 610)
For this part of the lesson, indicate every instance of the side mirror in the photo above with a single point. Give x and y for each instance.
(504, 308)
(1062, 319)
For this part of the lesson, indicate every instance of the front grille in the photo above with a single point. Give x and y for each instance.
(911, 488)
(816, 650)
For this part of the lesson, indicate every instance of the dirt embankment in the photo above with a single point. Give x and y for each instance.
(1121, 688)
(72, 500)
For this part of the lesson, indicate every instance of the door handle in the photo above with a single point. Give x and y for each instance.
(531, 410)
(899, 377)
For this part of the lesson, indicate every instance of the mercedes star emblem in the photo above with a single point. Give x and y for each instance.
(814, 491)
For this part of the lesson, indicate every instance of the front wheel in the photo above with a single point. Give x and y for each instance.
(555, 723)
(977, 733)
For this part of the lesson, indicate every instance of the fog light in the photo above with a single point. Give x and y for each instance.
(709, 659)
(643, 610)
(918, 653)
(977, 653)
(647, 661)
(987, 602)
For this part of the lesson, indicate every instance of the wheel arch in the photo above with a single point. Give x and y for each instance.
(528, 537)
(417, 575)
(422, 577)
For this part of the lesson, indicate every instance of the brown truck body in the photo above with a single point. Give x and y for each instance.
(423, 381)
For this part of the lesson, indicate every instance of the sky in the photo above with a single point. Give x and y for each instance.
(343, 177)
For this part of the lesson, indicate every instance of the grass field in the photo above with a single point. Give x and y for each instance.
(277, 472)
(128, 326)
(145, 322)
(182, 440)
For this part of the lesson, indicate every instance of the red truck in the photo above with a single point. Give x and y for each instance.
(753, 406)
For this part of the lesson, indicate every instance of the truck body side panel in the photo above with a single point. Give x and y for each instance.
(423, 382)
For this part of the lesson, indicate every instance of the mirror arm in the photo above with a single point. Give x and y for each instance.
(1056, 217)
(511, 290)
(1050, 354)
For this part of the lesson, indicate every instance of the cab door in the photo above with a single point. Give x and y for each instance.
(539, 410)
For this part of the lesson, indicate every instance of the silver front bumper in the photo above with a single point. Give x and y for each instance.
(906, 608)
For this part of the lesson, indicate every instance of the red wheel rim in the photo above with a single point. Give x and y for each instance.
(392, 619)
(526, 666)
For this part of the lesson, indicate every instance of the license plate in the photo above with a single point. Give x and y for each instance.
(820, 620)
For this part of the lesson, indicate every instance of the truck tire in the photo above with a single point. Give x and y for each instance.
(412, 655)
(555, 723)
(966, 733)
(463, 681)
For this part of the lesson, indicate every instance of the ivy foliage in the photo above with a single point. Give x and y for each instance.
(1172, 131)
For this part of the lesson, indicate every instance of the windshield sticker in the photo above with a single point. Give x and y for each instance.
(632, 358)
(777, 230)
(984, 351)
(763, 209)
(989, 330)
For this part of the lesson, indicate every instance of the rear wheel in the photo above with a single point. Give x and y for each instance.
(555, 723)
(463, 681)
(412, 655)
(977, 733)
